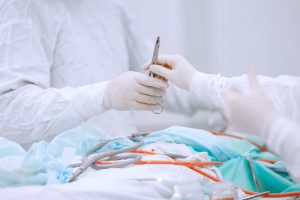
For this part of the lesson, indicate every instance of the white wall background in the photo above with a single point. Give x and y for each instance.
(163, 18)
(226, 36)
(219, 36)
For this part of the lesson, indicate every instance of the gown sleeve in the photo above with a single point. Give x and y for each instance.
(31, 109)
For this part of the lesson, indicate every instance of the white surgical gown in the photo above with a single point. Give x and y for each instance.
(283, 135)
(55, 59)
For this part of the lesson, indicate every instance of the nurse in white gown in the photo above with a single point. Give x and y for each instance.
(269, 108)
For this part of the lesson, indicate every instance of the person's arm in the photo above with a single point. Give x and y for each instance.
(31, 113)
(31, 109)
(281, 90)
(202, 91)
(253, 113)
(140, 49)
(208, 88)
(283, 138)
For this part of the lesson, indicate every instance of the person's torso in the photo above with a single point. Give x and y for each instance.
(93, 49)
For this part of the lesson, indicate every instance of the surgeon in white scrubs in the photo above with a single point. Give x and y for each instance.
(64, 63)
(267, 107)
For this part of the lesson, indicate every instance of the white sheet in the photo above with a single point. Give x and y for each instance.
(123, 183)
(133, 182)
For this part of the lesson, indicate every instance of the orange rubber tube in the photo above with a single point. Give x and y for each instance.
(143, 152)
(219, 133)
(270, 195)
(164, 162)
(182, 163)
(267, 161)
(194, 166)
(275, 195)
(205, 174)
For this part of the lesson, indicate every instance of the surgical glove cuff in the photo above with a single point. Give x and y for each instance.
(88, 100)
(271, 129)
(266, 121)
(107, 101)
(198, 82)
(208, 87)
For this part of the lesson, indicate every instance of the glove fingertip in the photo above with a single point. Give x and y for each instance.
(160, 70)
(146, 66)
(229, 95)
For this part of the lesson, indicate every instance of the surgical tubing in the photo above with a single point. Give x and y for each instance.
(143, 152)
(275, 195)
(138, 151)
(203, 173)
(219, 133)
(269, 195)
(199, 171)
(129, 159)
(195, 165)
(91, 160)
(122, 161)
(163, 162)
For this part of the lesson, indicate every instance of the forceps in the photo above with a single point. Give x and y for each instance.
(153, 62)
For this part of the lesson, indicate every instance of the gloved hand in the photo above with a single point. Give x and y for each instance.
(134, 91)
(250, 113)
(180, 71)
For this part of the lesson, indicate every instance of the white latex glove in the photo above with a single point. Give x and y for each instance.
(250, 113)
(180, 71)
(134, 91)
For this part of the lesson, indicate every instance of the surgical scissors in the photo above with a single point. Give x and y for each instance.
(153, 62)
(120, 158)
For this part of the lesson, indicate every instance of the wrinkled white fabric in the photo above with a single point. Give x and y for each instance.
(282, 91)
(131, 182)
(55, 60)
(249, 113)
(169, 148)
(283, 138)
(138, 182)
(53, 71)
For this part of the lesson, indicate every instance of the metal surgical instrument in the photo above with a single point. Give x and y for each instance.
(257, 185)
(255, 196)
(155, 55)
(153, 62)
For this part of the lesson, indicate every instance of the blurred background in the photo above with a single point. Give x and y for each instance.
(226, 37)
